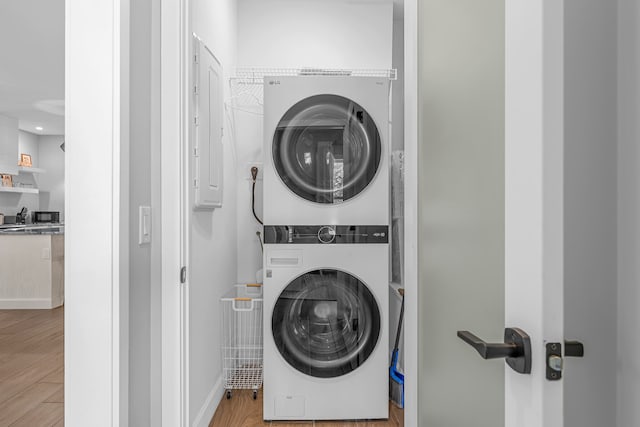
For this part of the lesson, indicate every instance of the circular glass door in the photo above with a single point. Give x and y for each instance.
(326, 149)
(326, 323)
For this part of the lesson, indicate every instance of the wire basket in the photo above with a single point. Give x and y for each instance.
(242, 346)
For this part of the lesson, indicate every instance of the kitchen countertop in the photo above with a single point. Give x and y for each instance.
(24, 229)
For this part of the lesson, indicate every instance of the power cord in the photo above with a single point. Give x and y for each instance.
(260, 240)
(254, 176)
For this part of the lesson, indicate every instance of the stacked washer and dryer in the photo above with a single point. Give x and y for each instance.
(326, 247)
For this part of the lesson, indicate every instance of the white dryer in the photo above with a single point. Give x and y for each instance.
(326, 153)
(326, 323)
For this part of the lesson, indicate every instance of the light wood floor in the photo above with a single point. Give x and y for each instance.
(242, 411)
(32, 374)
(31, 368)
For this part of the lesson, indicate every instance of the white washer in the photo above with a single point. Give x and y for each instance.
(326, 323)
(326, 152)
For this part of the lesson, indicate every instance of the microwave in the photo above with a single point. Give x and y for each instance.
(45, 216)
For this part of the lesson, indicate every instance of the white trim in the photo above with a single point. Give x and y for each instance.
(206, 413)
(156, 374)
(186, 82)
(411, 197)
(534, 180)
(96, 202)
(120, 213)
(173, 26)
(25, 304)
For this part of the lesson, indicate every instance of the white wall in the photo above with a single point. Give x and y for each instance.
(8, 146)
(46, 154)
(397, 144)
(28, 144)
(628, 366)
(248, 129)
(590, 260)
(11, 203)
(397, 104)
(328, 34)
(51, 183)
(212, 264)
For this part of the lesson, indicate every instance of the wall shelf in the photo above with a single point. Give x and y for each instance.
(19, 190)
(24, 169)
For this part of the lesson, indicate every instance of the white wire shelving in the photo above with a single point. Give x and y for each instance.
(248, 82)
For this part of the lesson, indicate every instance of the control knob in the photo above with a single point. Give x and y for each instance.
(327, 234)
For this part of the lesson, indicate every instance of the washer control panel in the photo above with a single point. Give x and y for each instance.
(325, 234)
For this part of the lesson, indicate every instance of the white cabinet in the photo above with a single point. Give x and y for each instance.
(8, 146)
(31, 271)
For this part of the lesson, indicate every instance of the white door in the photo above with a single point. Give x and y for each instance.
(505, 144)
(534, 203)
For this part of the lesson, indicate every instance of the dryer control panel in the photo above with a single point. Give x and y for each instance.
(325, 234)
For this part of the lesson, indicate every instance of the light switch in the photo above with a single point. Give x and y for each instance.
(144, 225)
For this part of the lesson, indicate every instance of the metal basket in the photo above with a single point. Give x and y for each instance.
(242, 345)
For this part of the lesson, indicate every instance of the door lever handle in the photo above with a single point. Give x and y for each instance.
(516, 348)
(489, 350)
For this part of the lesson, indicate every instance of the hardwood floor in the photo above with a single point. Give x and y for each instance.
(32, 368)
(32, 375)
(242, 411)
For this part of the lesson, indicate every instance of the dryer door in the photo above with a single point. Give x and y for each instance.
(326, 323)
(326, 149)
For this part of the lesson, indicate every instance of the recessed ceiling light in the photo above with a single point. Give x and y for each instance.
(39, 128)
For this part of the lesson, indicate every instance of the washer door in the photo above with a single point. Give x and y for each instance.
(326, 323)
(326, 149)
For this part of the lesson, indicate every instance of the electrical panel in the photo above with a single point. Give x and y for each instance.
(207, 148)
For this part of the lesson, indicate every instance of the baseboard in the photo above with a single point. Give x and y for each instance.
(25, 304)
(205, 414)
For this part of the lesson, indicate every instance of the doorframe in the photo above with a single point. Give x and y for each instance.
(96, 334)
(534, 201)
(411, 219)
(175, 47)
(174, 62)
(108, 339)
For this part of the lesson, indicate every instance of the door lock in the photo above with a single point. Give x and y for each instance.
(555, 362)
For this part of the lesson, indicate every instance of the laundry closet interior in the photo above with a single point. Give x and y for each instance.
(312, 97)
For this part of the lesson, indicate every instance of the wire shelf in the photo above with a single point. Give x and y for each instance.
(256, 75)
(247, 83)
